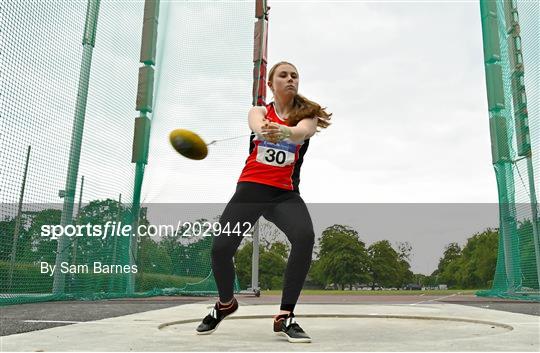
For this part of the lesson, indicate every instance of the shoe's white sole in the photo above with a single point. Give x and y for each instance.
(293, 340)
(215, 328)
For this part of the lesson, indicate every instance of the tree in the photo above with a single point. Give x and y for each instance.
(279, 248)
(242, 261)
(272, 264)
(478, 260)
(342, 259)
(272, 268)
(175, 247)
(95, 248)
(42, 248)
(433, 278)
(316, 273)
(405, 274)
(269, 234)
(197, 257)
(7, 228)
(151, 258)
(420, 279)
(384, 265)
(527, 254)
(474, 265)
(449, 265)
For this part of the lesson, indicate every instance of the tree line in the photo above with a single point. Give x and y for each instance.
(474, 264)
(341, 258)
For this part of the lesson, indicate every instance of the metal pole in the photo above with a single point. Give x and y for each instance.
(259, 98)
(112, 277)
(509, 231)
(80, 197)
(260, 53)
(255, 261)
(73, 276)
(74, 249)
(535, 224)
(500, 141)
(135, 213)
(18, 221)
(88, 42)
(141, 136)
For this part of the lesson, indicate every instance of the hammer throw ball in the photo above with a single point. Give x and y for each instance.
(188, 144)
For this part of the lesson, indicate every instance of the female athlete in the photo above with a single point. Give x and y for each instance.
(268, 186)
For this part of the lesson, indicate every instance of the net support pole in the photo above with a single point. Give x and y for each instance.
(18, 221)
(535, 218)
(521, 115)
(74, 242)
(144, 104)
(500, 139)
(74, 249)
(115, 246)
(88, 43)
(255, 261)
(260, 49)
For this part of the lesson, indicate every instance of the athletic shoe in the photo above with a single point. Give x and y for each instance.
(219, 312)
(286, 325)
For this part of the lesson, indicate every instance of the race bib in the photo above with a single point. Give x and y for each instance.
(277, 154)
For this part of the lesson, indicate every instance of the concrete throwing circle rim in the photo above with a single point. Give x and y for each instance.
(346, 316)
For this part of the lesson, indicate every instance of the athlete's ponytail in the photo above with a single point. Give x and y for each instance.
(305, 108)
(302, 107)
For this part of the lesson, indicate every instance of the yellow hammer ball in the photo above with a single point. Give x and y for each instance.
(188, 144)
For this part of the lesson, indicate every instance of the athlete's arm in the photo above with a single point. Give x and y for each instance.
(297, 134)
(257, 118)
(309, 126)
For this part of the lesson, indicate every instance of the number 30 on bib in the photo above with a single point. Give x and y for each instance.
(278, 155)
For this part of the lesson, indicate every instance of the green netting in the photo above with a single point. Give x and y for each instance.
(203, 71)
(205, 65)
(511, 46)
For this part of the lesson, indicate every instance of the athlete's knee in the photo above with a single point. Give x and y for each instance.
(303, 237)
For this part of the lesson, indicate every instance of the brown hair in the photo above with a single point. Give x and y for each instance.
(302, 107)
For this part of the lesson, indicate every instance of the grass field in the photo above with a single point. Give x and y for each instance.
(377, 292)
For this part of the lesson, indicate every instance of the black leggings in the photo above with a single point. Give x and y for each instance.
(289, 213)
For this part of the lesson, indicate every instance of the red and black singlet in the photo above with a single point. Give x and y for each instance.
(275, 164)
